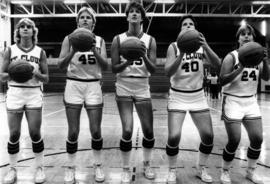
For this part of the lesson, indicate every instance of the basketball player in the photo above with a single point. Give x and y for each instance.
(25, 97)
(132, 87)
(83, 88)
(240, 106)
(187, 94)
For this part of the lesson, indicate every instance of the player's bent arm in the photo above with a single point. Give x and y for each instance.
(4, 76)
(265, 74)
(172, 62)
(66, 54)
(102, 57)
(43, 75)
(117, 66)
(150, 60)
(227, 72)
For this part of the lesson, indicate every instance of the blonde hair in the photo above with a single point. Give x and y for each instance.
(27, 21)
(91, 12)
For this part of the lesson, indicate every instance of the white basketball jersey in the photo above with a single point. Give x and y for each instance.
(32, 56)
(84, 65)
(137, 68)
(246, 83)
(189, 75)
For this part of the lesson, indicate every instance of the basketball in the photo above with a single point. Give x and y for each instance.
(188, 40)
(131, 48)
(251, 54)
(82, 39)
(20, 71)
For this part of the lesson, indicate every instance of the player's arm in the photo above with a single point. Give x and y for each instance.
(151, 58)
(4, 76)
(172, 62)
(43, 74)
(210, 55)
(102, 57)
(66, 54)
(228, 71)
(265, 73)
(117, 66)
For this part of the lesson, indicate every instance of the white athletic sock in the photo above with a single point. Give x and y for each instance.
(39, 159)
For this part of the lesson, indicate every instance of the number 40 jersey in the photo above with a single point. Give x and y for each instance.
(84, 65)
(189, 75)
(246, 83)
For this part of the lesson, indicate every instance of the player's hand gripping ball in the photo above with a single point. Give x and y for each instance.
(82, 39)
(188, 40)
(132, 48)
(251, 54)
(20, 71)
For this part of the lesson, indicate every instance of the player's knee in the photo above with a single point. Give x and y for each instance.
(96, 135)
(253, 153)
(38, 146)
(127, 134)
(206, 148)
(208, 138)
(228, 155)
(148, 143)
(148, 133)
(71, 146)
(174, 140)
(97, 144)
(125, 145)
(73, 137)
(14, 136)
(256, 141)
(13, 147)
(35, 137)
(171, 150)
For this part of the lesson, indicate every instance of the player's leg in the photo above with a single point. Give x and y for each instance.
(125, 107)
(94, 107)
(145, 113)
(254, 130)
(15, 108)
(203, 122)
(175, 123)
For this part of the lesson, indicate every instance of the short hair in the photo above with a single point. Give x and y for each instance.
(243, 28)
(91, 12)
(27, 21)
(135, 4)
(188, 17)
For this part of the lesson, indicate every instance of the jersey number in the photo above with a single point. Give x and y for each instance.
(246, 75)
(193, 66)
(87, 59)
(137, 62)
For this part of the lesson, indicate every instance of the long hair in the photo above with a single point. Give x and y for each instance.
(27, 21)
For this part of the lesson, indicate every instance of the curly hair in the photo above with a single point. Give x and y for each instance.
(25, 21)
(188, 17)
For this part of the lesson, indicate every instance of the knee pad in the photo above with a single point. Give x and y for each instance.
(172, 151)
(253, 153)
(148, 143)
(71, 147)
(206, 149)
(227, 156)
(97, 144)
(38, 146)
(13, 148)
(125, 145)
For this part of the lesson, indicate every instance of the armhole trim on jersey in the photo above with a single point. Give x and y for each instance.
(174, 48)
(234, 59)
(118, 41)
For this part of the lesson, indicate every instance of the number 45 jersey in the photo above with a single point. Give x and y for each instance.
(246, 83)
(189, 75)
(84, 65)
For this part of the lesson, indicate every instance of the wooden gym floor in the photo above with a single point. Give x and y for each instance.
(54, 129)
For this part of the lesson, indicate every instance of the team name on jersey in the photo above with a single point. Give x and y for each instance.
(193, 56)
(27, 58)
